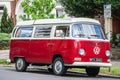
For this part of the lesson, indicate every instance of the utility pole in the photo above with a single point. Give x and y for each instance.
(108, 20)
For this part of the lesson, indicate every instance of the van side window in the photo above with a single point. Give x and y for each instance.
(42, 32)
(24, 32)
(62, 31)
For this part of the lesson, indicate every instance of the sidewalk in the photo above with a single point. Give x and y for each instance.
(4, 54)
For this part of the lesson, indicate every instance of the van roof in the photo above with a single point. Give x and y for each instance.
(57, 21)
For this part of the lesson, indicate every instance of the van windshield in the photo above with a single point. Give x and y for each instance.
(90, 31)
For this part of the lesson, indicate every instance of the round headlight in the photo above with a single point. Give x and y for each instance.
(107, 53)
(81, 51)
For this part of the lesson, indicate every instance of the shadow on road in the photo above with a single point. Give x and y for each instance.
(68, 74)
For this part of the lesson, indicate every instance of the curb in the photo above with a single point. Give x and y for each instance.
(109, 76)
(100, 74)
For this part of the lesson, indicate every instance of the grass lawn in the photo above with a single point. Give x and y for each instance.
(4, 62)
(115, 70)
(4, 36)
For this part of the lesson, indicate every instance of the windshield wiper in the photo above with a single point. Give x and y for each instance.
(79, 35)
(94, 35)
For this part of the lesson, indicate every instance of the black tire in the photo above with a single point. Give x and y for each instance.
(92, 71)
(58, 67)
(21, 65)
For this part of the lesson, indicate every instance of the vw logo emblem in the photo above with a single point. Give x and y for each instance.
(96, 50)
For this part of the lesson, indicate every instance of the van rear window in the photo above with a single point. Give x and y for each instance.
(24, 32)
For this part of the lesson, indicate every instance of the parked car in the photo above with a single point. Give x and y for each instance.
(60, 44)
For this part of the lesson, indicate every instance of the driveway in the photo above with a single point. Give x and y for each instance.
(4, 54)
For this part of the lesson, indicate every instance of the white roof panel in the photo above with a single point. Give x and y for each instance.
(69, 20)
(58, 21)
(30, 22)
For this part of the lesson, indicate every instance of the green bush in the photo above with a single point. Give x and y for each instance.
(4, 40)
(115, 41)
(4, 36)
(4, 62)
(6, 22)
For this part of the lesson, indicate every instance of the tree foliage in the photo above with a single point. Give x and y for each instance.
(6, 22)
(90, 8)
(38, 9)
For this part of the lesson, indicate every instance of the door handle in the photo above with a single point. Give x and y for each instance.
(50, 44)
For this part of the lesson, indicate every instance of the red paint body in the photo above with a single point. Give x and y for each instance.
(42, 51)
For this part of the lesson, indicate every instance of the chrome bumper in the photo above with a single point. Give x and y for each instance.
(95, 64)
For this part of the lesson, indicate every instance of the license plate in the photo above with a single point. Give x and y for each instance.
(95, 60)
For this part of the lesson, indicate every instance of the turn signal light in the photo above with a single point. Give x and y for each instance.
(77, 59)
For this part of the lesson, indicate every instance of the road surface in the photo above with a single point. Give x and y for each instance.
(9, 73)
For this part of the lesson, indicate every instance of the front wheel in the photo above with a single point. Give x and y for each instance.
(58, 67)
(92, 71)
(20, 65)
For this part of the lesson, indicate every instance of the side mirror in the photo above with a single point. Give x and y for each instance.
(108, 35)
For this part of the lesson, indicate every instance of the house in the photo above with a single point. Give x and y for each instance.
(18, 11)
(5, 3)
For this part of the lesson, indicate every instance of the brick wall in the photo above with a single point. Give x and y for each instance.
(116, 25)
(115, 54)
(13, 6)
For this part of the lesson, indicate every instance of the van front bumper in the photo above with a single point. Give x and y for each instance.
(90, 64)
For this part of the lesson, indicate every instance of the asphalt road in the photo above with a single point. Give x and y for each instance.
(9, 73)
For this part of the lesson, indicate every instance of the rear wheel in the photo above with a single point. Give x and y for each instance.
(58, 67)
(92, 71)
(21, 65)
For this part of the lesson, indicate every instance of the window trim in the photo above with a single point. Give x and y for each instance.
(88, 24)
(67, 25)
(23, 37)
(14, 32)
(35, 27)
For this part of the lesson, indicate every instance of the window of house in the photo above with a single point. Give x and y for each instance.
(26, 16)
(59, 9)
(24, 32)
(62, 31)
(59, 12)
(1, 16)
(1, 7)
(1, 12)
(42, 32)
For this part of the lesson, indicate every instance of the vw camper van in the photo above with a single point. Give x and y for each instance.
(60, 44)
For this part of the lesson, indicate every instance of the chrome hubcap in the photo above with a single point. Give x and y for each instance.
(58, 66)
(19, 64)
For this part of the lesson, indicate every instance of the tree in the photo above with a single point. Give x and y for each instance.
(38, 9)
(89, 8)
(6, 22)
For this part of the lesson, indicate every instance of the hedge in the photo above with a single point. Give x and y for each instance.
(4, 41)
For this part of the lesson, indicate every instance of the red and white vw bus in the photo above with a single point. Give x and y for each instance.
(60, 44)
